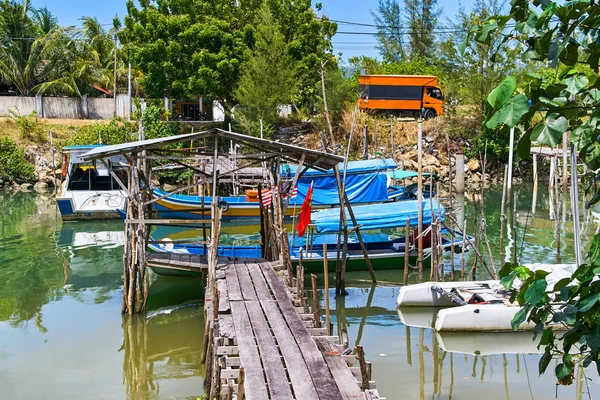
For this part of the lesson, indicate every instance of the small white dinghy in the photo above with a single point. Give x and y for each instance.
(476, 305)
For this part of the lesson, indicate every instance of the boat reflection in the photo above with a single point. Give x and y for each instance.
(449, 365)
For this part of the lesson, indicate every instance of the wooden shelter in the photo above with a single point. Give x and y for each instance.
(141, 156)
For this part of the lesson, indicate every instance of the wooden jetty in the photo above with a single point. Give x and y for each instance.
(263, 340)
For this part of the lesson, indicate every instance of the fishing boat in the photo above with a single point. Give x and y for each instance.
(476, 305)
(367, 182)
(385, 251)
(88, 190)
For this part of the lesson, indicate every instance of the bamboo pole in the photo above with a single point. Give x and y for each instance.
(503, 217)
(325, 102)
(406, 251)
(420, 194)
(462, 250)
(392, 136)
(316, 311)
(557, 218)
(326, 278)
(575, 205)
(360, 354)
(511, 146)
(514, 228)
(451, 205)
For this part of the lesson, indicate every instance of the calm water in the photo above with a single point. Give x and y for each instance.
(62, 335)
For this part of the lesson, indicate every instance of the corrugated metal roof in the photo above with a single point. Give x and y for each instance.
(314, 158)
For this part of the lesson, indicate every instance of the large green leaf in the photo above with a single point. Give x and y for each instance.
(484, 35)
(500, 95)
(511, 113)
(575, 82)
(536, 293)
(550, 131)
(545, 360)
(588, 302)
(519, 318)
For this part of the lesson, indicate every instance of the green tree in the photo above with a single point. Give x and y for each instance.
(422, 17)
(267, 80)
(390, 33)
(542, 111)
(193, 48)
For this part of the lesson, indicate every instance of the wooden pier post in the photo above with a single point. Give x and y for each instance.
(392, 136)
(365, 142)
(420, 195)
(316, 311)
(575, 205)
(511, 146)
(503, 217)
(326, 278)
(514, 257)
(459, 162)
(451, 204)
(406, 251)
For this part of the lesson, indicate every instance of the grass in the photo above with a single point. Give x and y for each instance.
(61, 128)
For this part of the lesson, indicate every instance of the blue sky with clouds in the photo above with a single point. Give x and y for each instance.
(356, 11)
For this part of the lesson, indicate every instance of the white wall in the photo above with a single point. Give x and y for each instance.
(24, 105)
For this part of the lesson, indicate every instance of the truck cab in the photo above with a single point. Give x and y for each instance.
(402, 95)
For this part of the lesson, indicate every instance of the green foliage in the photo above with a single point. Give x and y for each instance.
(155, 125)
(390, 35)
(475, 68)
(13, 165)
(193, 48)
(115, 132)
(39, 56)
(422, 16)
(267, 81)
(29, 126)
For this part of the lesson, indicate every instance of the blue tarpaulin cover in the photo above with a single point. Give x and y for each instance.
(377, 216)
(366, 181)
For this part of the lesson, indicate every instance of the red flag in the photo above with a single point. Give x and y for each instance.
(304, 219)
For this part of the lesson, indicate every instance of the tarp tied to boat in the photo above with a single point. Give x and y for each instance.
(366, 182)
(378, 216)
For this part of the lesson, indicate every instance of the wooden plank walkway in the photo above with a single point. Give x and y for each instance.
(258, 329)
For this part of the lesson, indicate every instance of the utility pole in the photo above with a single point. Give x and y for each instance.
(129, 92)
(115, 75)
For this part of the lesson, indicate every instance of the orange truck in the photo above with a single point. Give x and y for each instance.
(403, 95)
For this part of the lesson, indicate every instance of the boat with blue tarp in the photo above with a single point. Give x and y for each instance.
(384, 238)
(366, 182)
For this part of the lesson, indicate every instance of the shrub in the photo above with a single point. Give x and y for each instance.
(29, 126)
(13, 165)
(115, 132)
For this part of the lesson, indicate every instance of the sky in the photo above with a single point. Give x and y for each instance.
(355, 11)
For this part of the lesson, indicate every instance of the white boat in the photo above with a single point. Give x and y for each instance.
(88, 189)
(473, 306)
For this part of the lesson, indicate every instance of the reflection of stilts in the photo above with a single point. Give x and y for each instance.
(340, 312)
(365, 314)
(421, 363)
(137, 372)
(483, 364)
(408, 349)
(451, 376)
(505, 365)
(435, 356)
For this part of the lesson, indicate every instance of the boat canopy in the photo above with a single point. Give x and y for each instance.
(402, 174)
(378, 216)
(366, 182)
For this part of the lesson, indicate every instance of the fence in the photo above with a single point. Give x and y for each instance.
(79, 107)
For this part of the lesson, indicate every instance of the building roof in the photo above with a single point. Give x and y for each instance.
(313, 158)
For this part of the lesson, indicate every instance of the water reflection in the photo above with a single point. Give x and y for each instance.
(60, 322)
(165, 346)
(442, 365)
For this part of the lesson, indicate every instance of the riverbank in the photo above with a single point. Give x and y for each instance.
(383, 136)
